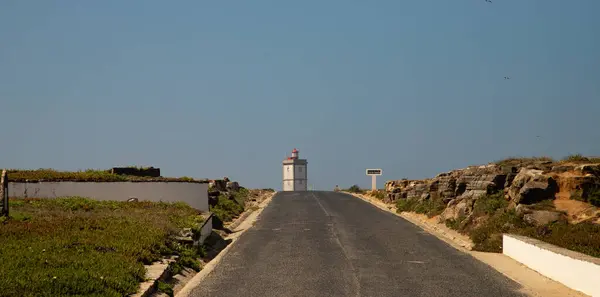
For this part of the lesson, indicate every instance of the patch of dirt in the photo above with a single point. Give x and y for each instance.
(577, 211)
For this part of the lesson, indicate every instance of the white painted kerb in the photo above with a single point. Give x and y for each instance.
(575, 270)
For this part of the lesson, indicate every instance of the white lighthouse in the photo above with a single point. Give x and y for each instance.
(294, 173)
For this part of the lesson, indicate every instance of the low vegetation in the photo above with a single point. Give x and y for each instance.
(230, 207)
(379, 194)
(429, 207)
(90, 175)
(491, 218)
(524, 161)
(520, 161)
(354, 189)
(593, 197)
(578, 158)
(165, 288)
(81, 247)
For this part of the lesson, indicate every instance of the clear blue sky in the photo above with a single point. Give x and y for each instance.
(227, 88)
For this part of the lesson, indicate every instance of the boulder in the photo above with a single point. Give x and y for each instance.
(541, 217)
(446, 186)
(510, 177)
(522, 209)
(218, 185)
(456, 208)
(593, 169)
(233, 186)
(536, 190)
(562, 168)
(415, 189)
(480, 179)
(531, 186)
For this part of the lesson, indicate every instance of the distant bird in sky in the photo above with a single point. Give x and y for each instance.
(488, 1)
(506, 77)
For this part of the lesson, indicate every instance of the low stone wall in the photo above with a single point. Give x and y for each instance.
(575, 270)
(194, 194)
(133, 171)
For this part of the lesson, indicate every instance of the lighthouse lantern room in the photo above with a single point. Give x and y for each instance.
(295, 177)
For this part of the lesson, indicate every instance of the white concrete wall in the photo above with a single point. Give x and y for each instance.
(205, 231)
(575, 270)
(194, 194)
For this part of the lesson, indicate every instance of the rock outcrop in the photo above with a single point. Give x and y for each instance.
(522, 184)
(222, 188)
(542, 217)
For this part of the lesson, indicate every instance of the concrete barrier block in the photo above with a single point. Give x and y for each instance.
(575, 270)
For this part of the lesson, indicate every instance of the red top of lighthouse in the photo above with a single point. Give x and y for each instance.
(295, 154)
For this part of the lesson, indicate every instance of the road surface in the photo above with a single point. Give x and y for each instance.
(333, 244)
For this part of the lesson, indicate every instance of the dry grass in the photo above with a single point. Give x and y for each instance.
(578, 158)
(379, 194)
(523, 161)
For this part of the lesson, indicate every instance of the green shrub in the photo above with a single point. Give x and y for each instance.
(594, 197)
(379, 194)
(488, 236)
(406, 204)
(241, 196)
(582, 237)
(430, 207)
(594, 159)
(488, 204)
(355, 189)
(165, 288)
(226, 209)
(435, 207)
(575, 158)
(455, 224)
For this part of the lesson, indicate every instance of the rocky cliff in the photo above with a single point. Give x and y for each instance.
(571, 190)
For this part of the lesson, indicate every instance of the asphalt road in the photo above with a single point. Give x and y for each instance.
(333, 244)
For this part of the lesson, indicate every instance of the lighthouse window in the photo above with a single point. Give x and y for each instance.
(288, 169)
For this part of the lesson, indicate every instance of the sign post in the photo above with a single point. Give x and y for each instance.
(374, 173)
